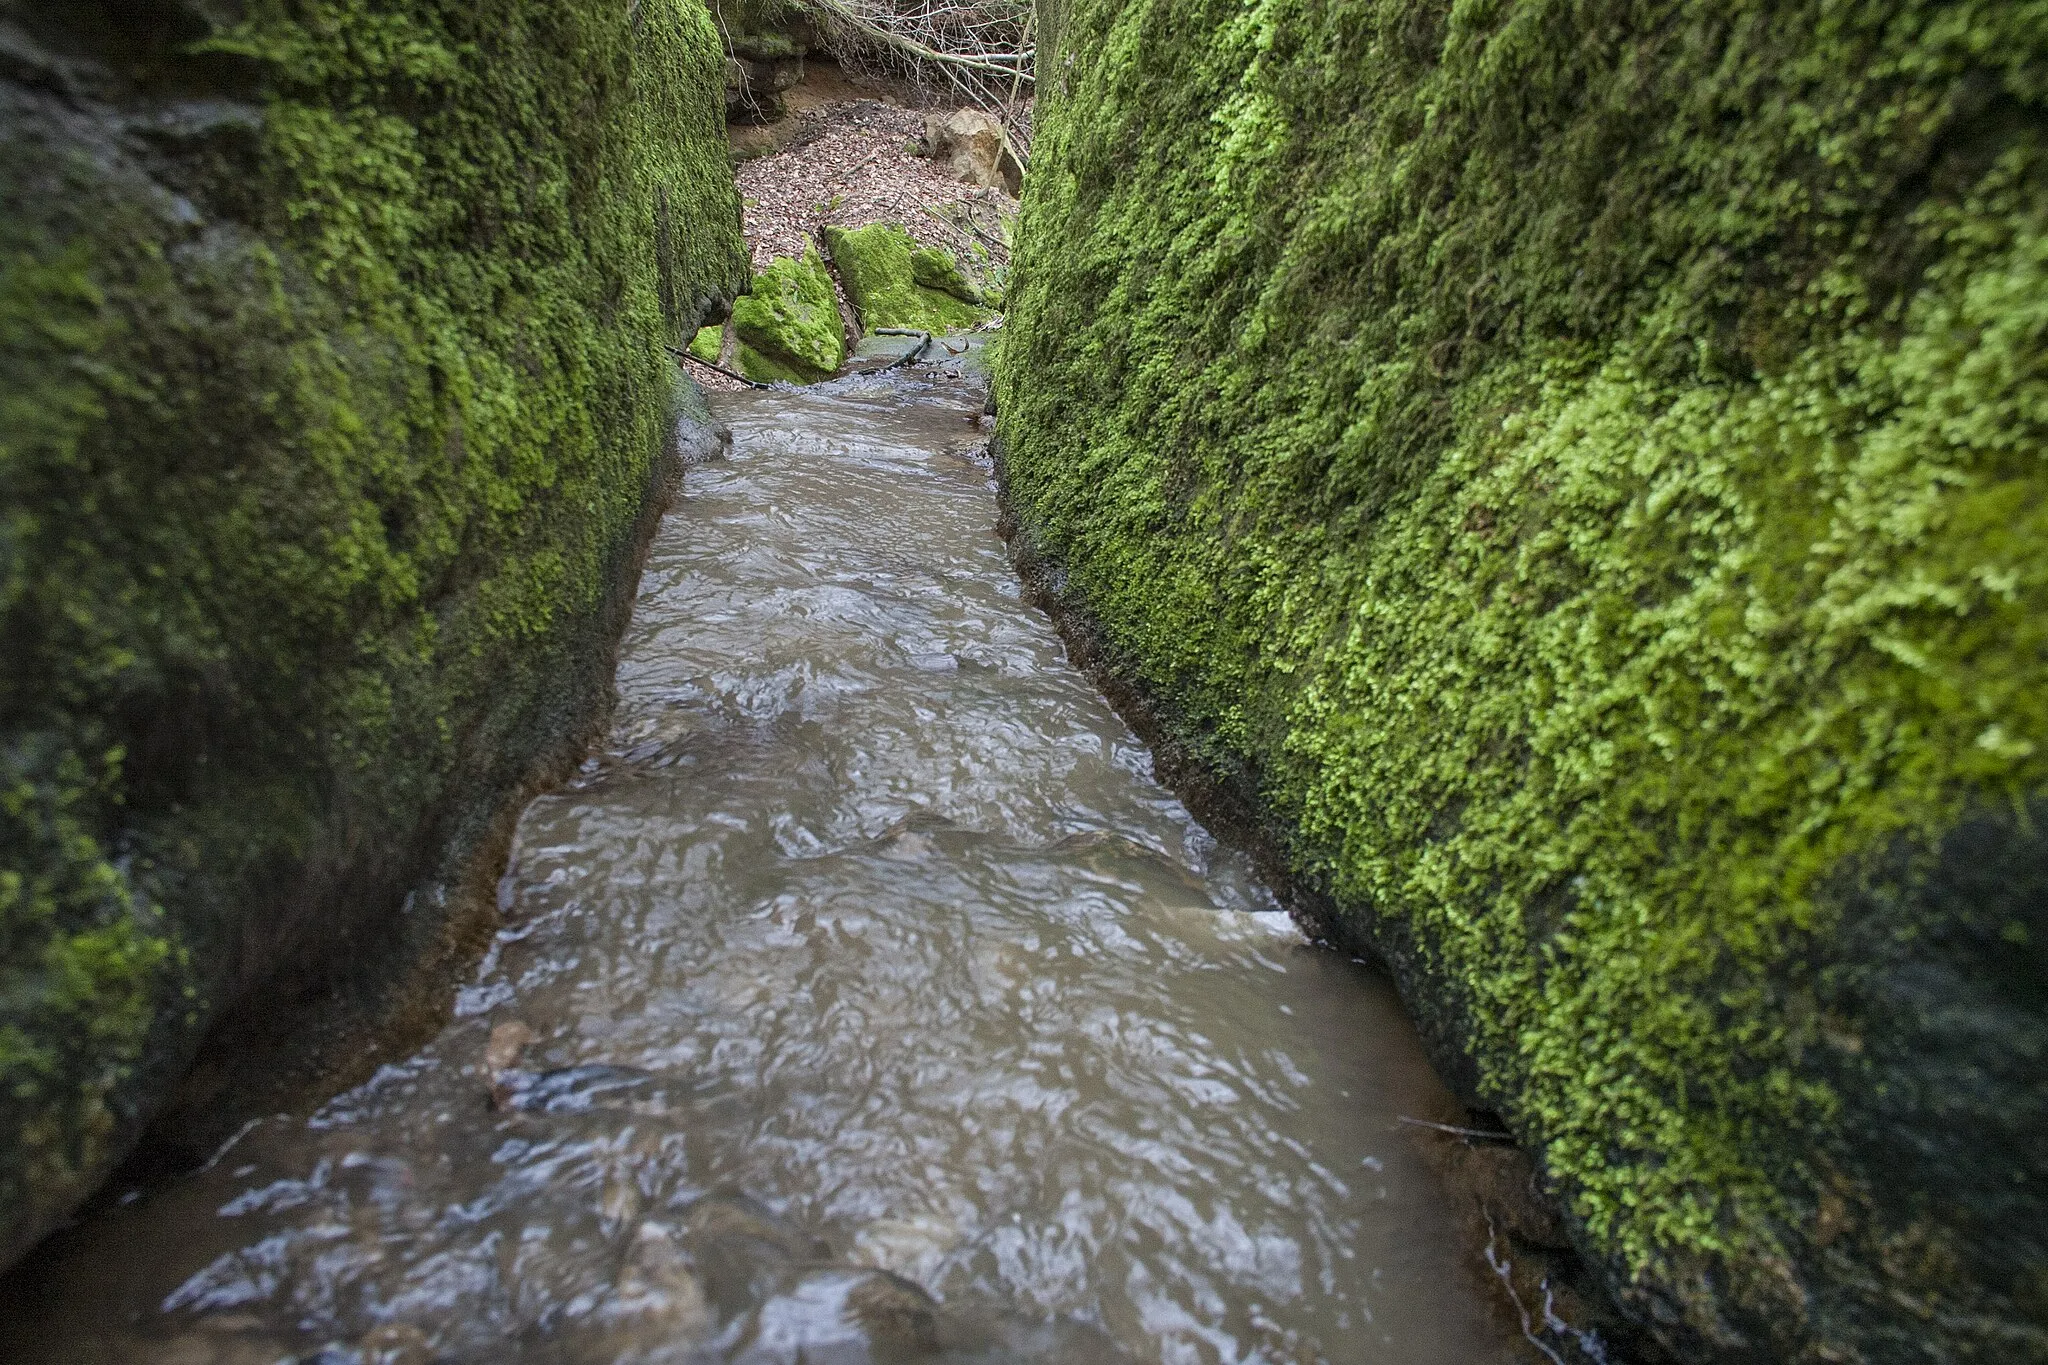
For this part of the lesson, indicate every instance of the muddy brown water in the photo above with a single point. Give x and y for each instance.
(882, 1007)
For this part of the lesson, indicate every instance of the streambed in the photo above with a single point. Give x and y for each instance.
(863, 999)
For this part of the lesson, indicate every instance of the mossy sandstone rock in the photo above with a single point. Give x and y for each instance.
(333, 403)
(788, 325)
(940, 270)
(767, 30)
(879, 266)
(1576, 473)
(708, 344)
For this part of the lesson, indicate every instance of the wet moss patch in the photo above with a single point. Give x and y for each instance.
(933, 268)
(788, 324)
(879, 266)
(708, 343)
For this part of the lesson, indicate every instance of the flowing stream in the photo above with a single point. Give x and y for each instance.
(864, 1000)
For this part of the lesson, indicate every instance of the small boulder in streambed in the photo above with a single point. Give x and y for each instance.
(940, 270)
(788, 326)
(879, 266)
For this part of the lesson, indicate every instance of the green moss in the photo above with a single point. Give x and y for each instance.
(877, 265)
(708, 344)
(766, 30)
(765, 45)
(788, 323)
(940, 270)
(763, 369)
(1581, 464)
(327, 414)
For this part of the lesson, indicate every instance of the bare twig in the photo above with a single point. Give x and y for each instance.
(910, 355)
(970, 232)
(979, 51)
(1505, 1269)
(876, 24)
(716, 369)
(1490, 1134)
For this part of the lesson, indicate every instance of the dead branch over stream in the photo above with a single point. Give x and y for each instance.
(981, 51)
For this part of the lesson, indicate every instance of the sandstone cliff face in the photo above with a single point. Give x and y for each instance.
(332, 399)
(1575, 472)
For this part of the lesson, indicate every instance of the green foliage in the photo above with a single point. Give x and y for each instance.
(877, 265)
(1583, 463)
(788, 323)
(325, 426)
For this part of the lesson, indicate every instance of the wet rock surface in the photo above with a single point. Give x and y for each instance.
(787, 325)
(879, 266)
(1602, 699)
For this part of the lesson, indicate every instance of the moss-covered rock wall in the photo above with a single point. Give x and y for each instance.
(1577, 470)
(332, 396)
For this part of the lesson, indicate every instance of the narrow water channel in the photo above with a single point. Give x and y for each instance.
(866, 962)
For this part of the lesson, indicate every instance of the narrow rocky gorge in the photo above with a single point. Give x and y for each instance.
(861, 998)
(606, 704)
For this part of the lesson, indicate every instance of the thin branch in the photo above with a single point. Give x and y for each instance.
(990, 62)
(1492, 1134)
(908, 356)
(970, 232)
(716, 369)
(980, 51)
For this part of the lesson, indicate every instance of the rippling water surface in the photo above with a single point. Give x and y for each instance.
(866, 963)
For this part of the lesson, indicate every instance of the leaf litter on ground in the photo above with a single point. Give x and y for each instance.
(852, 163)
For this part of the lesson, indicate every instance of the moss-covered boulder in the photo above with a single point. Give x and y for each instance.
(936, 269)
(708, 344)
(333, 406)
(879, 265)
(788, 325)
(1574, 472)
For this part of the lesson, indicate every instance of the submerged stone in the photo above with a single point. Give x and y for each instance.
(879, 267)
(788, 324)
